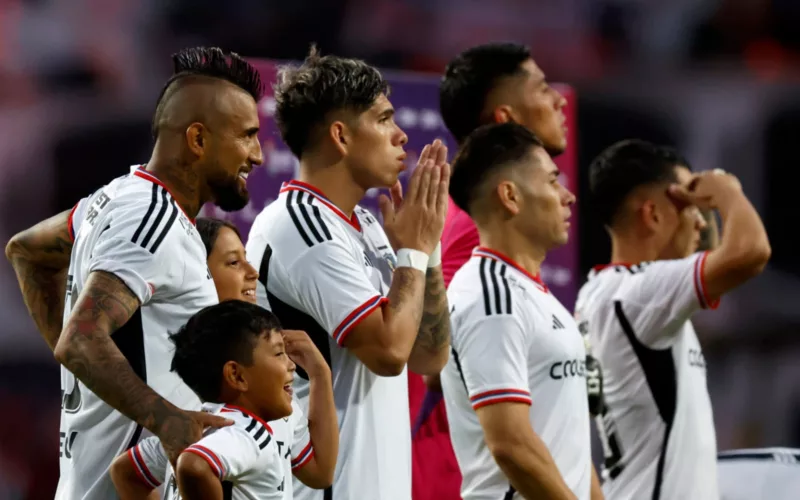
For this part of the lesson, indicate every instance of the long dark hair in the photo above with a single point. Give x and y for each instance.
(209, 228)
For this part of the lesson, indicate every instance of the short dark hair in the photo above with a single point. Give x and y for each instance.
(305, 95)
(209, 229)
(487, 149)
(625, 166)
(470, 77)
(224, 332)
(209, 62)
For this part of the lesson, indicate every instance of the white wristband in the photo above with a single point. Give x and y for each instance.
(435, 260)
(407, 257)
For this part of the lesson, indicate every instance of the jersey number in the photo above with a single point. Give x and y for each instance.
(607, 432)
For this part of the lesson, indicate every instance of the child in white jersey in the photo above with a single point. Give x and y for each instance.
(232, 355)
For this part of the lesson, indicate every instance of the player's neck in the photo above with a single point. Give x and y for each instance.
(335, 182)
(515, 247)
(181, 182)
(625, 250)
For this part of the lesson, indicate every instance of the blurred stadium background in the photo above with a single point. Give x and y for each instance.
(717, 78)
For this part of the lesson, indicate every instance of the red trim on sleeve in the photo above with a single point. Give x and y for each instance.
(700, 283)
(354, 318)
(303, 458)
(139, 465)
(209, 456)
(70, 227)
(229, 408)
(495, 396)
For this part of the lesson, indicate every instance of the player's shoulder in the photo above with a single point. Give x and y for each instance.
(247, 430)
(479, 290)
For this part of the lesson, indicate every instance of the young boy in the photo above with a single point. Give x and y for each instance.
(232, 355)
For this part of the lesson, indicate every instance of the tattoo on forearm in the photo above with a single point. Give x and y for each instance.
(40, 258)
(89, 352)
(404, 282)
(434, 328)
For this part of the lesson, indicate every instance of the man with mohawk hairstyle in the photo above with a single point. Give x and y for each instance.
(107, 281)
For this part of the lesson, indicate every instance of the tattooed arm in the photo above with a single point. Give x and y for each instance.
(40, 258)
(430, 353)
(87, 350)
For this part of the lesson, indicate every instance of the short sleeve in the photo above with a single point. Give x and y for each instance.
(302, 449)
(150, 461)
(230, 452)
(459, 238)
(659, 299)
(333, 288)
(130, 247)
(75, 217)
(491, 356)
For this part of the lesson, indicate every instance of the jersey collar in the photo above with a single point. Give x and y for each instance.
(295, 185)
(229, 408)
(495, 255)
(144, 174)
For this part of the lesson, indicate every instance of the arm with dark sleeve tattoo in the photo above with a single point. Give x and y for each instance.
(430, 353)
(87, 350)
(40, 258)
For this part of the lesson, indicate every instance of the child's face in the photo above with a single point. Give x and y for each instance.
(270, 377)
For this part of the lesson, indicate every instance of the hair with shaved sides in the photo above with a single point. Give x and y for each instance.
(206, 66)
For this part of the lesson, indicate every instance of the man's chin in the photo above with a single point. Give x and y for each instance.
(232, 204)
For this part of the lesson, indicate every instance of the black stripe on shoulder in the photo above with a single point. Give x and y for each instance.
(265, 442)
(303, 208)
(496, 291)
(172, 216)
(290, 206)
(320, 220)
(161, 211)
(257, 430)
(150, 209)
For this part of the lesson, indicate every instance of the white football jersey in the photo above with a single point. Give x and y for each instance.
(749, 474)
(323, 272)
(658, 428)
(133, 229)
(513, 341)
(294, 444)
(245, 457)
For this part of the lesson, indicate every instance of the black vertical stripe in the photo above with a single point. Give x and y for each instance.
(307, 218)
(458, 367)
(263, 269)
(166, 229)
(506, 288)
(129, 339)
(261, 430)
(320, 220)
(487, 303)
(227, 490)
(137, 433)
(661, 376)
(161, 212)
(252, 425)
(265, 442)
(497, 303)
(147, 215)
(509, 493)
(328, 495)
(296, 221)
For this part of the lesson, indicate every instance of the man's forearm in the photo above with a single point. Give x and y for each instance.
(533, 473)
(430, 349)
(709, 237)
(40, 258)
(87, 350)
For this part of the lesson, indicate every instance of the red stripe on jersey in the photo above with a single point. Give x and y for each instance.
(229, 408)
(209, 456)
(70, 226)
(304, 457)
(294, 185)
(509, 399)
(141, 469)
(495, 255)
(354, 318)
(144, 174)
(700, 283)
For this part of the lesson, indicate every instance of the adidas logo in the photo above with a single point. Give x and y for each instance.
(557, 324)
